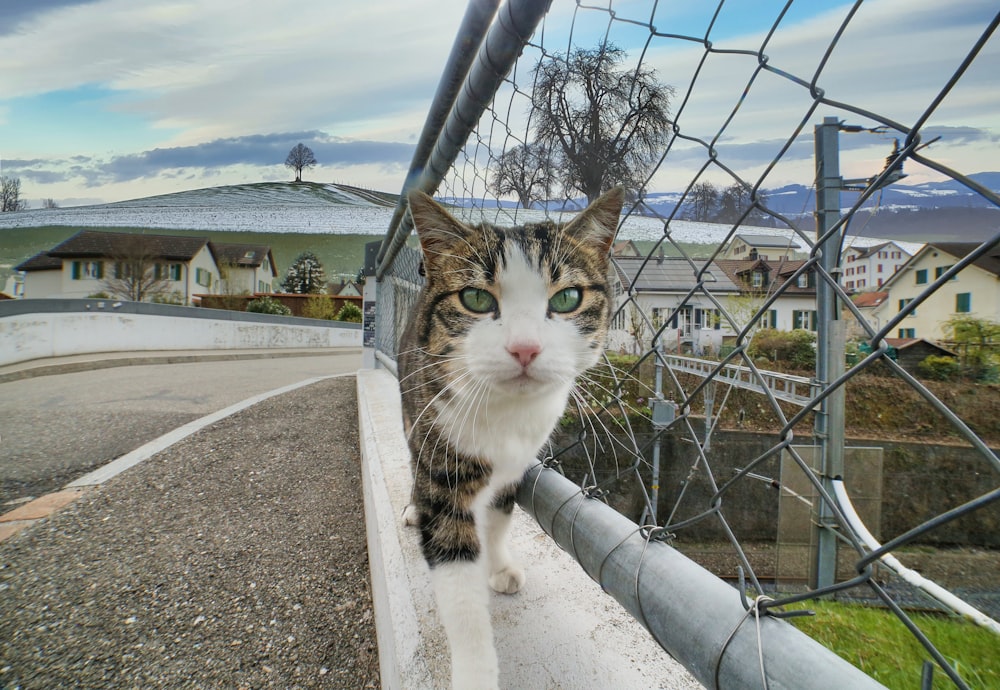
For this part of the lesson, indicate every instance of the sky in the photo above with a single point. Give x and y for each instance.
(107, 100)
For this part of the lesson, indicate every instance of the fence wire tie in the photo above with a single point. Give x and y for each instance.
(764, 603)
(759, 606)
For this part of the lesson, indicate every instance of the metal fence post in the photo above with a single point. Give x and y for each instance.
(829, 425)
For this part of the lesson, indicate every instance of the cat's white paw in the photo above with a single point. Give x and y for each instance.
(507, 580)
(410, 516)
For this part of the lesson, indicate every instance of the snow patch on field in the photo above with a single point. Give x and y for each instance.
(333, 209)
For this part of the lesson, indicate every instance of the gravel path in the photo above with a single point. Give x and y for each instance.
(234, 559)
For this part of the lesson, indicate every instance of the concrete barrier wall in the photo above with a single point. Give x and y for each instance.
(34, 329)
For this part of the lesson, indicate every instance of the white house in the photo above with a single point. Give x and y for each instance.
(665, 291)
(244, 268)
(759, 279)
(868, 268)
(974, 291)
(769, 247)
(90, 261)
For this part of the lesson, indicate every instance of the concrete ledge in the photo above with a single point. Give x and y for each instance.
(560, 631)
(35, 329)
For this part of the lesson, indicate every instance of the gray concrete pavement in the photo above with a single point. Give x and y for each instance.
(55, 428)
(235, 558)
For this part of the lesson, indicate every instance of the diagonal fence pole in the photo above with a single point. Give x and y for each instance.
(515, 23)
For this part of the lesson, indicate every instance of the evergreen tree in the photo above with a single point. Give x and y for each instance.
(305, 275)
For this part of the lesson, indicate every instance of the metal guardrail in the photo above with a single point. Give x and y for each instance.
(797, 390)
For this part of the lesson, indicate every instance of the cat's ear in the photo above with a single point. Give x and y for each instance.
(438, 230)
(597, 224)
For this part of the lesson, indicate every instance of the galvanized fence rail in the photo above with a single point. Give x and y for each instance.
(677, 497)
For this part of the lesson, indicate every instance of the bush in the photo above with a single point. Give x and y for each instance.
(174, 297)
(939, 368)
(797, 348)
(350, 312)
(319, 307)
(268, 305)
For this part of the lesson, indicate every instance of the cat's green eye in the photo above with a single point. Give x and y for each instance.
(477, 300)
(566, 300)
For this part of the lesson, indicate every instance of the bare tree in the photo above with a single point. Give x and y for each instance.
(135, 273)
(299, 158)
(49, 203)
(703, 202)
(524, 171)
(734, 202)
(609, 125)
(10, 194)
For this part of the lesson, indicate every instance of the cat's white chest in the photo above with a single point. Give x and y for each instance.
(508, 431)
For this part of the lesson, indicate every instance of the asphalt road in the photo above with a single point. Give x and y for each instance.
(235, 558)
(56, 428)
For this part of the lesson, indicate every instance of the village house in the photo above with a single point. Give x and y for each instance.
(664, 291)
(175, 269)
(972, 292)
(768, 247)
(868, 268)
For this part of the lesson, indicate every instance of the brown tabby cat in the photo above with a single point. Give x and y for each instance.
(507, 319)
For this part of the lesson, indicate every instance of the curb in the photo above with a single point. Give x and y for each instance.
(18, 372)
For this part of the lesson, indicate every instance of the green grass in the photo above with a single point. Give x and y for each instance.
(878, 643)
(339, 254)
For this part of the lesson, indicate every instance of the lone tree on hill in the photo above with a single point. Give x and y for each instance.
(10, 194)
(300, 157)
(305, 275)
(605, 124)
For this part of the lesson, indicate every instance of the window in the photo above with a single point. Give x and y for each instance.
(805, 319)
(907, 332)
(757, 279)
(963, 302)
(939, 271)
(203, 277)
(850, 285)
(770, 319)
(904, 302)
(167, 272)
(657, 318)
(879, 269)
(81, 270)
(803, 280)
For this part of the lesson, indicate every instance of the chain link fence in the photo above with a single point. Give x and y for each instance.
(742, 362)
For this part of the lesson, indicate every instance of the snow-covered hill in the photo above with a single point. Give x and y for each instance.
(261, 207)
(323, 208)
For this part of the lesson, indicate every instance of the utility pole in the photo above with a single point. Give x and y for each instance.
(830, 338)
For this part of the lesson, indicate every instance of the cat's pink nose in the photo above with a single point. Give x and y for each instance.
(524, 352)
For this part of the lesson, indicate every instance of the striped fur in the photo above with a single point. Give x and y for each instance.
(484, 379)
